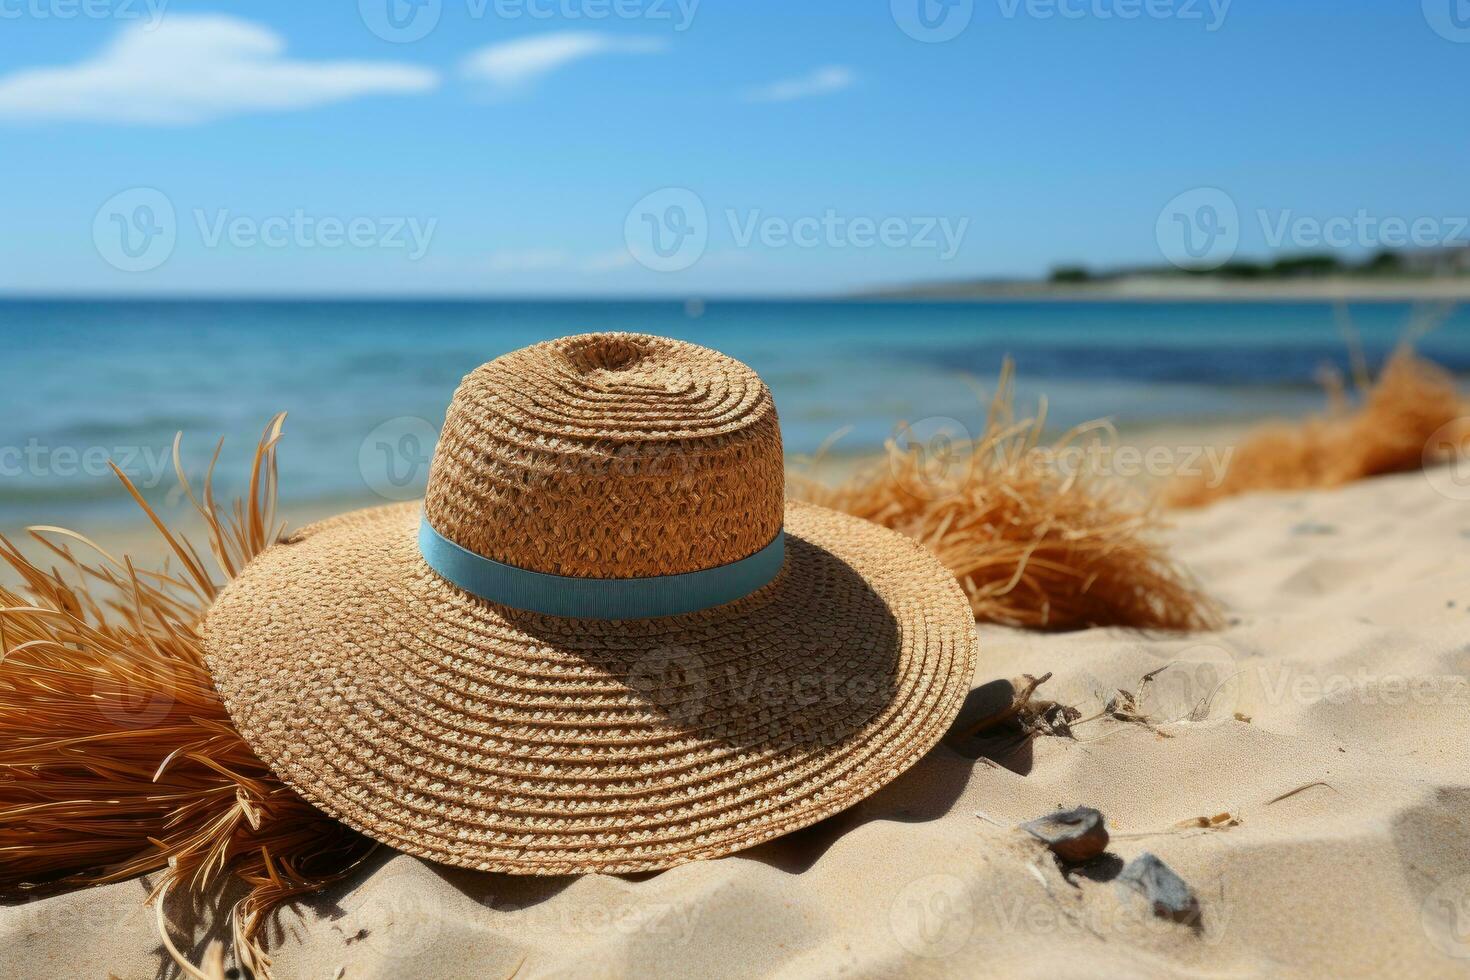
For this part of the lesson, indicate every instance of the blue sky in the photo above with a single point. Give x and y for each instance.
(537, 147)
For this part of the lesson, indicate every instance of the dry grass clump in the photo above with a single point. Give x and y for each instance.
(117, 757)
(1412, 400)
(1032, 544)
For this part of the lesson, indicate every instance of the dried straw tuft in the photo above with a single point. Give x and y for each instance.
(1400, 426)
(1031, 544)
(117, 757)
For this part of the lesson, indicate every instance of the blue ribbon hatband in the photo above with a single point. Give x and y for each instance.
(599, 598)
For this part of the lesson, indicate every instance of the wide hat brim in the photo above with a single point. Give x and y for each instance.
(472, 734)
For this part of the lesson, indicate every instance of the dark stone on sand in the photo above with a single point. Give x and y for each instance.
(1073, 835)
(1169, 894)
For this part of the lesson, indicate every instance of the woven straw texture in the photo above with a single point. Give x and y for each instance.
(570, 457)
(477, 735)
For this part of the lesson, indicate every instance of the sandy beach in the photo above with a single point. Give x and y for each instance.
(1323, 728)
(662, 490)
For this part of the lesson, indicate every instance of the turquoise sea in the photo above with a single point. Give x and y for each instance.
(82, 381)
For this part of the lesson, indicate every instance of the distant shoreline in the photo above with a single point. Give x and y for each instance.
(1120, 291)
(1143, 290)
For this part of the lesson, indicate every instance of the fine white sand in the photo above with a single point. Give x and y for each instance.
(1342, 676)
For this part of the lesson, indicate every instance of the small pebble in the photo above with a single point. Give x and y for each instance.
(1170, 895)
(1073, 835)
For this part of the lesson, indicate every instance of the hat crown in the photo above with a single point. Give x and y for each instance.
(610, 455)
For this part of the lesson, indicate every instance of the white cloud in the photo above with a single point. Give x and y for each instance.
(191, 69)
(823, 81)
(515, 64)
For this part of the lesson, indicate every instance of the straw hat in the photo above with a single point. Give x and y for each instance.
(604, 641)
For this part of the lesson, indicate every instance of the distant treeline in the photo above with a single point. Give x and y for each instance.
(1385, 264)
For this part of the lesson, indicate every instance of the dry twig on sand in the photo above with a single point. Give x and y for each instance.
(1028, 714)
